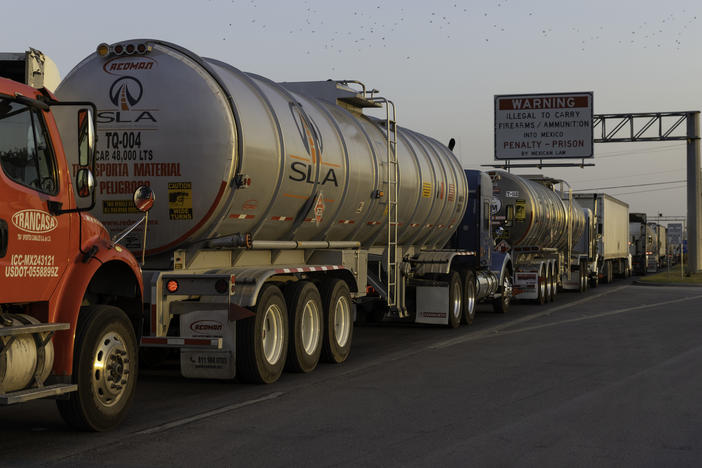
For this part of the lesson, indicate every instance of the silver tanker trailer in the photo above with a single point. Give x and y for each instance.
(284, 206)
(542, 231)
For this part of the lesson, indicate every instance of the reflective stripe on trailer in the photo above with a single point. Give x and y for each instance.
(281, 218)
(311, 268)
(242, 216)
(373, 223)
(346, 221)
(179, 342)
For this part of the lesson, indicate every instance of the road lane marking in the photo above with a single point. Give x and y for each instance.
(603, 314)
(499, 328)
(207, 414)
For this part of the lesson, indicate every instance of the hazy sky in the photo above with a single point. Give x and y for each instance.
(441, 62)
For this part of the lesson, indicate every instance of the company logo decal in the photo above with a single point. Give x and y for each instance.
(119, 65)
(206, 326)
(126, 92)
(34, 221)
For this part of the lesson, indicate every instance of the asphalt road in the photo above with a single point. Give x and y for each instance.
(606, 378)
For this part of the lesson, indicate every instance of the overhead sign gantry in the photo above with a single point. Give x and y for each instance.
(561, 126)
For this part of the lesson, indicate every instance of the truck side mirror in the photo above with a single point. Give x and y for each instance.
(86, 137)
(144, 198)
(85, 182)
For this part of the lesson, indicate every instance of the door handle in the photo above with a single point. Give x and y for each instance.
(3, 237)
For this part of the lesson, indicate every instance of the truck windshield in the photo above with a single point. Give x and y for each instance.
(25, 152)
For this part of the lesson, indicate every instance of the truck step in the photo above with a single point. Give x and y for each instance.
(36, 393)
(180, 342)
(38, 328)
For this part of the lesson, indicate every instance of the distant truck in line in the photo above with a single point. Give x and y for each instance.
(611, 241)
(642, 246)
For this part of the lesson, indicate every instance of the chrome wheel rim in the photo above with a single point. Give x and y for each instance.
(310, 327)
(470, 300)
(542, 286)
(456, 302)
(272, 334)
(507, 290)
(342, 321)
(111, 368)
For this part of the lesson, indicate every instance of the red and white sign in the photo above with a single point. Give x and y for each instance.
(318, 209)
(543, 126)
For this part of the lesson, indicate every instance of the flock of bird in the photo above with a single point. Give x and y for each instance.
(357, 27)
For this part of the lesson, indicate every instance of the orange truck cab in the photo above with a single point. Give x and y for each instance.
(70, 297)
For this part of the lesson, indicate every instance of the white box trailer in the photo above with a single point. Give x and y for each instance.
(612, 218)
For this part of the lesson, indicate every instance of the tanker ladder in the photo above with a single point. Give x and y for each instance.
(395, 299)
(41, 334)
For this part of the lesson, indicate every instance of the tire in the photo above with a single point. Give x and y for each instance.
(607, 273)
(554, 282)
(595, 281)
(469, 299)
(541, 288)
(583, 278)
(501, 304)
(105, 368)
(262, 340)
(549, 284)
(455, 308)
(338, 321)
(305, 323)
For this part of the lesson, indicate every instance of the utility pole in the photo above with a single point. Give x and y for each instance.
(694, 194)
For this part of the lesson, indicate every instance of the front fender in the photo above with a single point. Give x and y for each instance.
(72, 291)
(500, 264)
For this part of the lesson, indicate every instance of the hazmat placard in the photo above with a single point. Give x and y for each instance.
(180, 200)
(543, 126)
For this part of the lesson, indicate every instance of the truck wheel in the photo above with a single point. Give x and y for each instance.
(262, 341)
(455, 309)
(305, 320)
(554, 283)
(605, 272)
(501, 304)
(469, 300)
(595, 280)
(549, 284)
(583, 278)
(105, 368)
(338, 321)
(541, 287)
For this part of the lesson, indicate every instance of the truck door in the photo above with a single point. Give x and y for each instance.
(34, 244)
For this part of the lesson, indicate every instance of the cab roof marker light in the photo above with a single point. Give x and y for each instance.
(103, 49)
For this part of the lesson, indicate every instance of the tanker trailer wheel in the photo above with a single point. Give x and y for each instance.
(469, 301)
(104, 368)
(583, 278)
(607, 274)
(262, 340)
(338, 321)
(455, 309)
(500, 305)
(595, 280)
(554, 282)
(549, 284)
(541, 287)
(305, 320)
